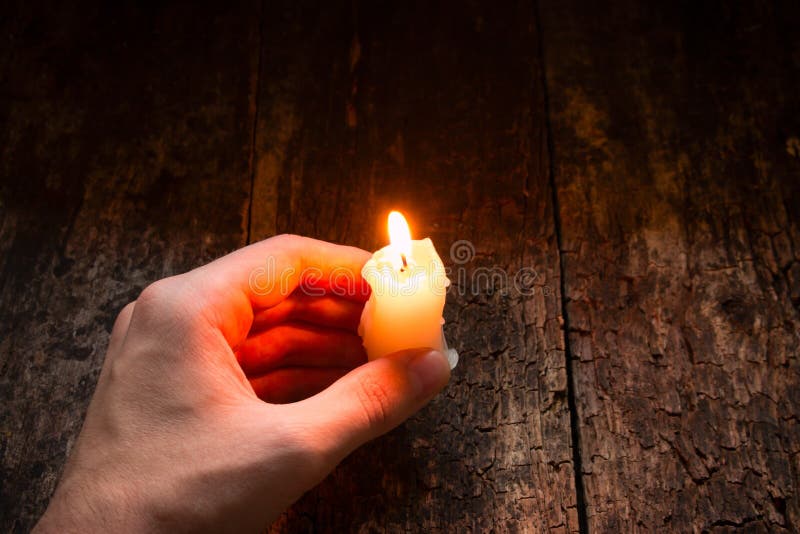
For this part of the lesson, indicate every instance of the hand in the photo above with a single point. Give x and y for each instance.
(177, 436)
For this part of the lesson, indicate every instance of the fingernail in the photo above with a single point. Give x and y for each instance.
(431, 370)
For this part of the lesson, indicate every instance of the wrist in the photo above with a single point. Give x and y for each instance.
(93, 506)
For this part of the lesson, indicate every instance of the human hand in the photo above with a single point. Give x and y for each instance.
(178, 435)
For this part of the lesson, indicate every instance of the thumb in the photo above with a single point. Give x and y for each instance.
(372, 399)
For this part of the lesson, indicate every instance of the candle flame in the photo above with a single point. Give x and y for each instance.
(399, 234)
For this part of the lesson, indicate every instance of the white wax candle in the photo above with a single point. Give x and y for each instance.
(409, 286)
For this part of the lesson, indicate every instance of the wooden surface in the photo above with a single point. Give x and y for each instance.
(680, 220)
(124, 160)
(644, 162)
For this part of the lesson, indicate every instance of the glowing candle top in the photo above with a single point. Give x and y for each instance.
(399, 234)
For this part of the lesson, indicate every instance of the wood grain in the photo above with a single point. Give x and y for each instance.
(124, 160)
(436, 111)
(679, 204)
(139, 142)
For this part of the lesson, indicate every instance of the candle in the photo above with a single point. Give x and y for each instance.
(409, 286)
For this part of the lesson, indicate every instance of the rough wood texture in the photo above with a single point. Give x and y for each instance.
(679, 196)
(437, 111)
(124, 160)
(140, 142)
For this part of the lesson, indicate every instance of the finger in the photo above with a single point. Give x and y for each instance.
(371, 400)
(328, 310)
(291, 384)
(118, 333)
(297, 345)
(120, 329)
(263, 274)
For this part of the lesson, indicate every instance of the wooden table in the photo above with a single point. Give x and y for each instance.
(641, 163)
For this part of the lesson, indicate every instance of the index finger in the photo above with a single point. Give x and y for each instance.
(261, 275)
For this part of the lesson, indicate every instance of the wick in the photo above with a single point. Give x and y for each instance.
(405, 262)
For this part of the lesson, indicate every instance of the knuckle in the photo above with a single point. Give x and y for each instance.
(283, 239)
(375, 401)
(154, 294)
(162, 301)
(288, 241)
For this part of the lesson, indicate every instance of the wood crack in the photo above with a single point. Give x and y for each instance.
(580, 494)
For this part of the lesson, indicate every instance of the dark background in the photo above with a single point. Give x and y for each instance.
(643, 158)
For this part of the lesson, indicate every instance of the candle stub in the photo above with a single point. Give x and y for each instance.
(409, 286)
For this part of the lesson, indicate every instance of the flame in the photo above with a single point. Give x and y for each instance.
(399, 234)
